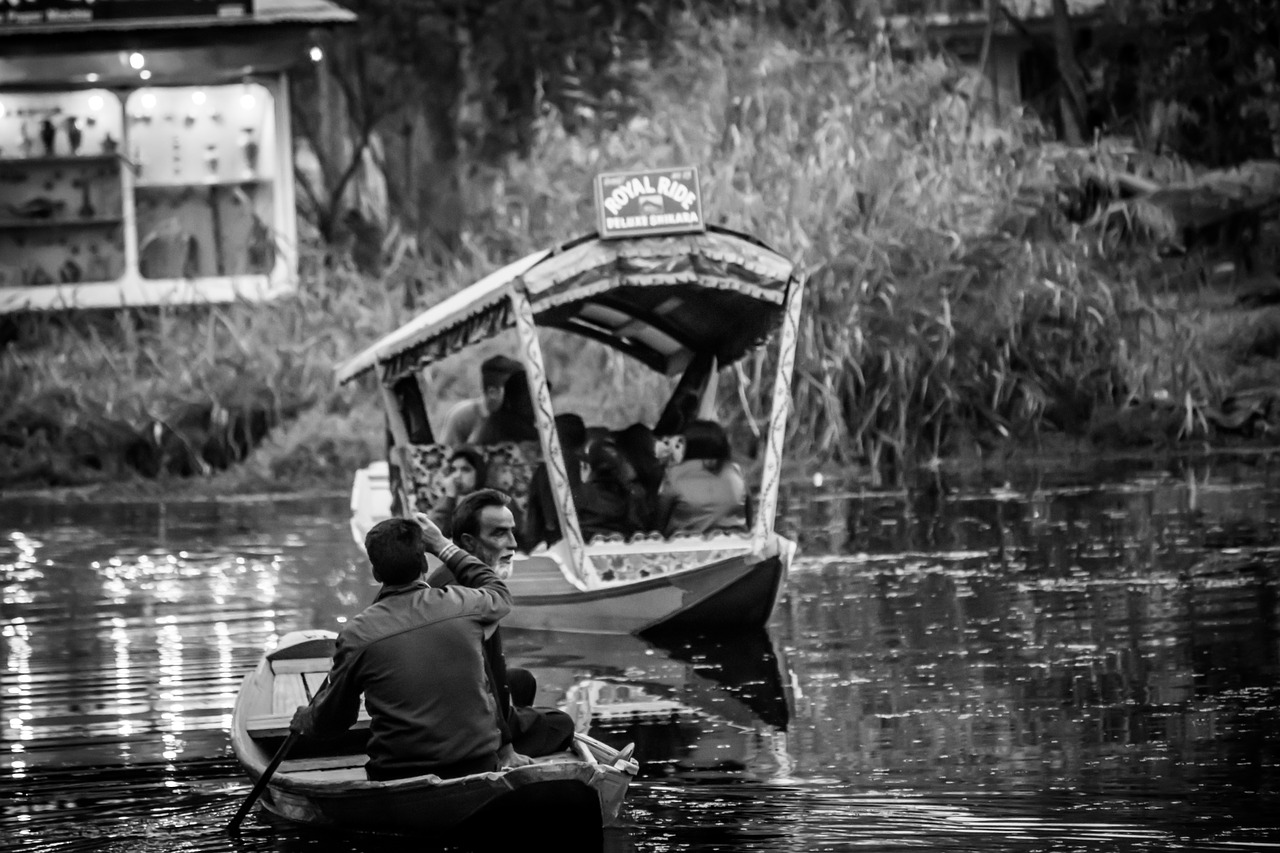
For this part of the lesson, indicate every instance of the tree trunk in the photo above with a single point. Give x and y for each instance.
(1071, 99)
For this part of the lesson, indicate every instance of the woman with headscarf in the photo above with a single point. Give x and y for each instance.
(705, 492)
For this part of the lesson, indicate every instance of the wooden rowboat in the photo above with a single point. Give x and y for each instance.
(687, 305)
(324, 782)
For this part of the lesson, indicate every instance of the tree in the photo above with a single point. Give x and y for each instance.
(422, 84)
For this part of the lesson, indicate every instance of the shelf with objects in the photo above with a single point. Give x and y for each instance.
(204, 180)
(61, 189)
(146, 153)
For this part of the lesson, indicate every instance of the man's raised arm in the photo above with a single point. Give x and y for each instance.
(465, 568)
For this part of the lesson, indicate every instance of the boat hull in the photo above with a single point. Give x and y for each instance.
(327, 785)
(426, 803)
(735, 593)
(707, 585)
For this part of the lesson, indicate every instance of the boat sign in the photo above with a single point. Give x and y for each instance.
(653, 201)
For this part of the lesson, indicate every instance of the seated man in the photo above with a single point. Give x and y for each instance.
(466, 416)
(513, 419)
(416, 655)
(484, 526)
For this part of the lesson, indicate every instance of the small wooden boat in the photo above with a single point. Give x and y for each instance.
(324, 782)
(687, 305)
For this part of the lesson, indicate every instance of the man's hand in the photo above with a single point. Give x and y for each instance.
(510, 758)
(432, 538)
(301, 722)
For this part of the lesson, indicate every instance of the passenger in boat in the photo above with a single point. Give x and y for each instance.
(484, 527)
(416, 656)
(542, 523)
(613, 503)
(705, 492)
(638, 444)
(466, 474)
(465, 417)
(514, 419)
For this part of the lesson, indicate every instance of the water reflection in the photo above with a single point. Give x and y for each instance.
(692, 705)
(1027, 663)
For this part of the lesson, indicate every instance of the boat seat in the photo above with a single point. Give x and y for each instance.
(330, 768)
(296, 682)
(509, 467)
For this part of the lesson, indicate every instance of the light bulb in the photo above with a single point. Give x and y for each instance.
(145, 75)
(137, 60)
(316, 53)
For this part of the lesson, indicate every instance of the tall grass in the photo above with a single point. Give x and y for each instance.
(106, 395)
(951, 304)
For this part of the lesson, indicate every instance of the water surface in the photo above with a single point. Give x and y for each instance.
(1069, 663)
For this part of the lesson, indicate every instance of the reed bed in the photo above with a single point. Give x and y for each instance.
(951, 304)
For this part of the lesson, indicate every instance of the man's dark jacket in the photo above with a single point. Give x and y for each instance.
(416, 655)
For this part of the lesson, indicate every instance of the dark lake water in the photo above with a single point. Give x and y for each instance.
(1065, 663)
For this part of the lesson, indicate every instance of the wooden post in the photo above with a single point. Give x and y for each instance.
(711, 390)
(536, 373)
(400, 443)
(781, 409)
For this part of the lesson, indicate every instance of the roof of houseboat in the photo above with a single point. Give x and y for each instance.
(659, 299)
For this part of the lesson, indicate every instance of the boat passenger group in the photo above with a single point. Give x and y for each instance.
(624, 483)
(427, 655)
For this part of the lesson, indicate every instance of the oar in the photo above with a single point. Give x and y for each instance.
(261, 784)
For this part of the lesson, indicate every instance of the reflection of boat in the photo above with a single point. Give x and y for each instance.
(694, 703)
(741, 680)
(324, 782)
(689, 705)
(686, 304)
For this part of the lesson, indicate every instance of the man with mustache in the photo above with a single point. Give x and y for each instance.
(485, 527)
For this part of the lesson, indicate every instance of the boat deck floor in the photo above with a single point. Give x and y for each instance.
(329, 768)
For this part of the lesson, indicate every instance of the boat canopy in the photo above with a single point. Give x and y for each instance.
(659, 299)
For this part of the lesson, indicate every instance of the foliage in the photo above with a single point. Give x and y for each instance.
(952, 301)
(1195, 77)
(174, 390)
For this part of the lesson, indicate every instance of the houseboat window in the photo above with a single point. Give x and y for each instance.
(61, 188)
(204, 179)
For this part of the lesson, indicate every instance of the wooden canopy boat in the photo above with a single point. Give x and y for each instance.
(324, 782)
(686, 305)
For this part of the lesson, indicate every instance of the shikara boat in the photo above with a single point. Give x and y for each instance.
(324, 783)
(687, 304)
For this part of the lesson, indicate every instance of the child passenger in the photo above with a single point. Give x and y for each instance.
(704, 493)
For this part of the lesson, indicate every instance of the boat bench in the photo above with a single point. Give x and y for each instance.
(296, 681)
(509, 468)
(328, 768)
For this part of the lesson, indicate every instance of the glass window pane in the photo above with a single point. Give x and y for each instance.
(61, 201)
(204, 186)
